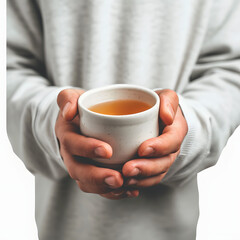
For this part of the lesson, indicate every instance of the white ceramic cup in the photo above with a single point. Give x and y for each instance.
(124, 133)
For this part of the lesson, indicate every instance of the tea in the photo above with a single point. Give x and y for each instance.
(120, 107)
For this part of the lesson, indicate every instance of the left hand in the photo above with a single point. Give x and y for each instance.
(158, 154)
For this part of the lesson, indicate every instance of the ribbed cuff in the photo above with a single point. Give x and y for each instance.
(46, 117)
(190, 117)
(55, 151)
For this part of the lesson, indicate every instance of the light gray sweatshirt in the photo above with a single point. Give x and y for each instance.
(190, 46)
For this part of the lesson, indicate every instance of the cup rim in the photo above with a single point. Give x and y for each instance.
(118, 86)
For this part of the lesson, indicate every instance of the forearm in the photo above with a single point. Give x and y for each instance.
(212, 114)
(210, 102)
(31, 100)
(31, 116)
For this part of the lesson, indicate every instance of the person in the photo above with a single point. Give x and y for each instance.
(187, 51)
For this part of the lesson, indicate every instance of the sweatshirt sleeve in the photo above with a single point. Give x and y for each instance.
(31, 99)
(210, 102)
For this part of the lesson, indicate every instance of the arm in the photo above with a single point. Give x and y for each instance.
(31, 98)
(210, 105)
(33, 113)
(211, 100)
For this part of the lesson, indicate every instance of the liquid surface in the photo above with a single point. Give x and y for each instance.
(120, 107)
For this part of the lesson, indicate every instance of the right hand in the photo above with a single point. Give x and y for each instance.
(76, 150)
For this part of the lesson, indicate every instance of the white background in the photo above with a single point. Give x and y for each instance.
(218, 186)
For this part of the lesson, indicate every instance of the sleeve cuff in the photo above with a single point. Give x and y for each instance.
(193, 152)
(48, 111)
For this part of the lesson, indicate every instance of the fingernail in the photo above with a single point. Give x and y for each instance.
(118, 192)
(65, 109)
(129, 193)
(148, 151)
(100, 152)
(132, 181)
(134, 172)
(111, 182)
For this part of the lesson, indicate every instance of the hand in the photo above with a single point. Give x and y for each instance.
(77, 150)
(158, 154)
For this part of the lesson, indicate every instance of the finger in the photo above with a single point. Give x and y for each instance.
(67, 101)
(117, 195)
(168, 142)
(92, 179)
(168, 105)
(73, 142)
(80, 145)
(146, 182)
(148, 167)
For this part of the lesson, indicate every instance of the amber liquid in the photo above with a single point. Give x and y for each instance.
(120, 107)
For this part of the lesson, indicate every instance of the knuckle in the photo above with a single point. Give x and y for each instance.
(169, 91)
(169, 164)
(155, 181)
(175, 97)
(66, 95)
(64, 141)
(177, 146)
(173, 94)
(93, 180)
(161, 166)
(172, 159)
(172, 97)
(185, 126)
(72, 173)
(79, 184)
(61, 96)
(159, 178)
(65, 92)
(149, 170)
(176, 142)
(83, 188)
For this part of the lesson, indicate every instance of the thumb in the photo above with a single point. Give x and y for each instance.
(168, 105)
(67, 101)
